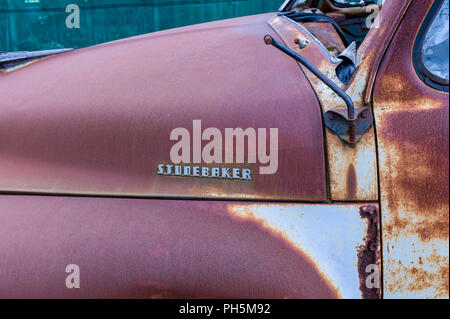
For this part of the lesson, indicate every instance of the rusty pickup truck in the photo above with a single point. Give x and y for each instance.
(297, 154)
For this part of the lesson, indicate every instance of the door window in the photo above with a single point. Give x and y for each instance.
(432, 47)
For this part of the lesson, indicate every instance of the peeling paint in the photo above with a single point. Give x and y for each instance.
(332, 236)
(341, 157)
(369, 254)
(412, 122)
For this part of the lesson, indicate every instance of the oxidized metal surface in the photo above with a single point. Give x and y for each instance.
(98, 120)
(171, 248)
(374, 46)
(413, 138)
(350, 125)
(350, 131)
(352, 170)
(370, 253)
(326, 34)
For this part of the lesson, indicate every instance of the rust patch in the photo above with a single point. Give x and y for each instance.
(369, 254)
(340, 155)
(352, 182)
(326, 34)
(377, 41)
(415, 171)
(416, 278)
(412, 126)
(426, 229)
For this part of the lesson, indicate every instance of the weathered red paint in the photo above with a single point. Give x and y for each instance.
(326, 34)
(98, 120)
(376, 43)
(146, 248)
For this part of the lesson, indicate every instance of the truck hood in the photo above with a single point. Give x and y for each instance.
(98, 120)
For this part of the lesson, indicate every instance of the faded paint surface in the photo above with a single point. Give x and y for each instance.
(372, 50)
(352, 170)
(98, 120)
(330, 235)
(413, 139)
(170, 248)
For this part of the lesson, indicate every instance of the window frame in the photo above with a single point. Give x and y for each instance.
(422, 72)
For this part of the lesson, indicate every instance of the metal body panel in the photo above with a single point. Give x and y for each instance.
(98, 120)
(352, 170)
(413, 145)
(173, 248)
(374, 47)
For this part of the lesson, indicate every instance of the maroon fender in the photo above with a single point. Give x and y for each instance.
(146, 248)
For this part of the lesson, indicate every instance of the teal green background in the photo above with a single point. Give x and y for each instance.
(40, 24)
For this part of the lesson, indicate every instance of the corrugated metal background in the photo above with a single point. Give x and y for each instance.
(40, 24)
